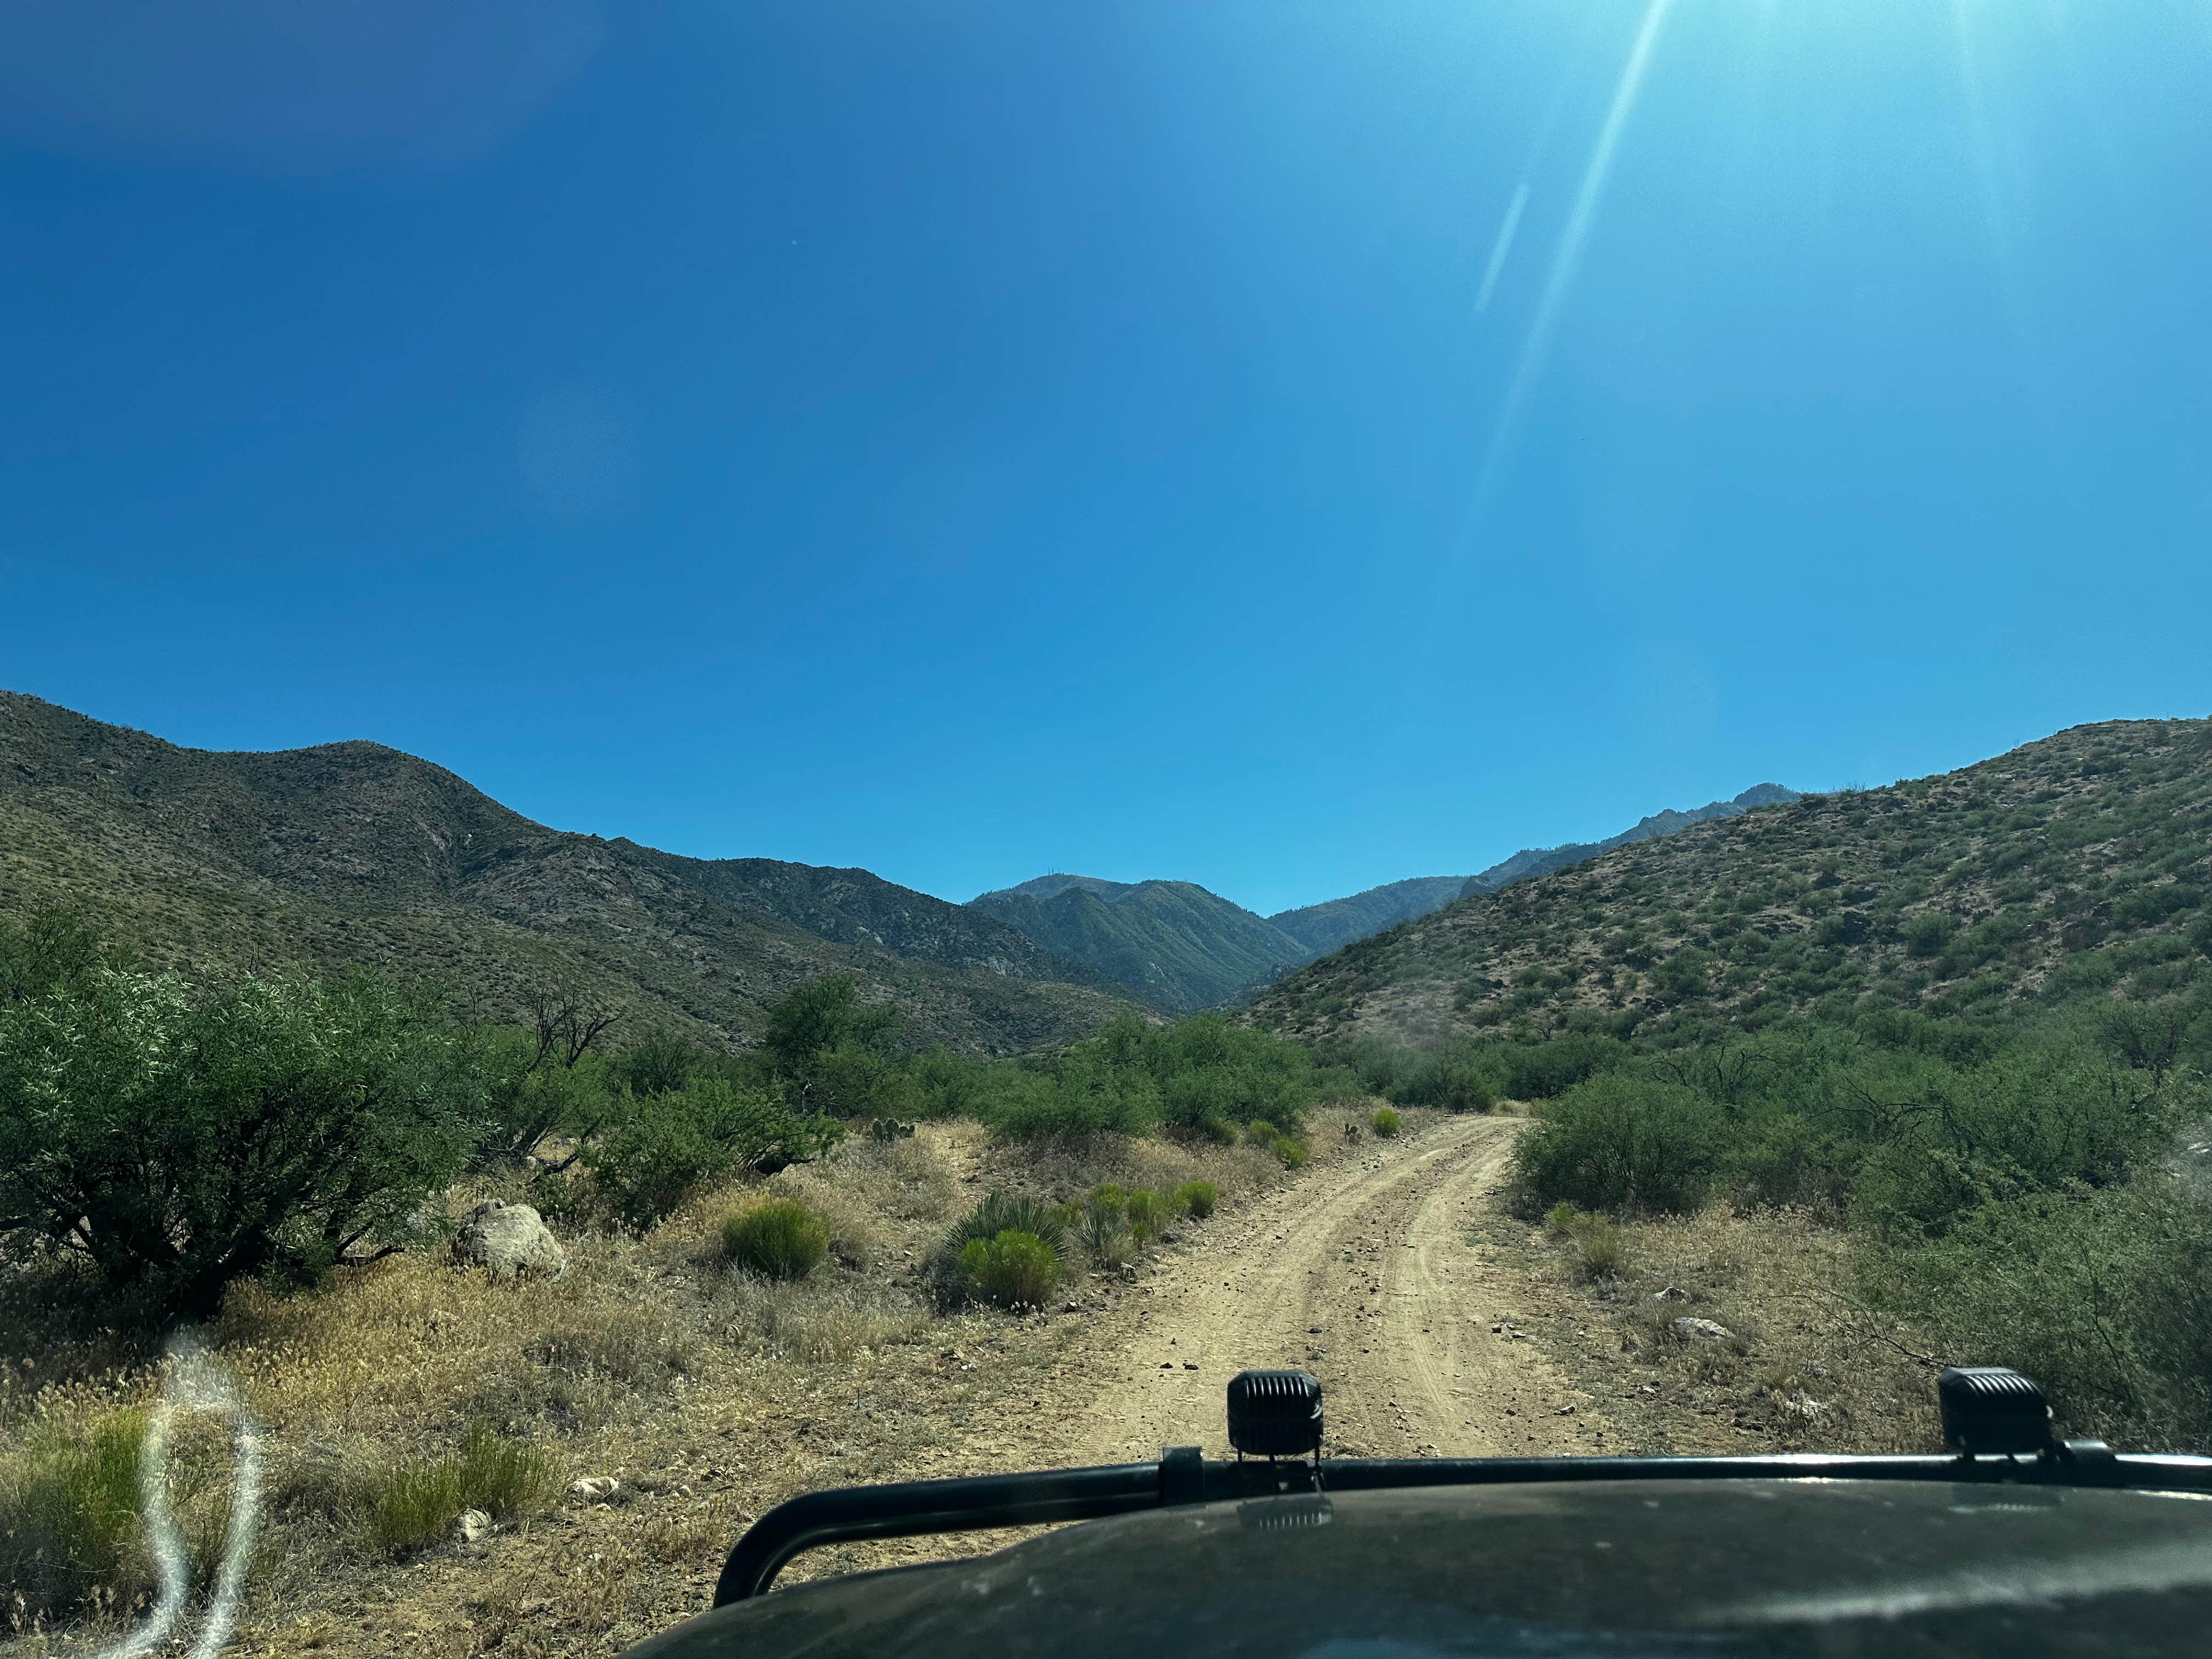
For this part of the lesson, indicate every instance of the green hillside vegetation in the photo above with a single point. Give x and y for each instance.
(177, 1132)
(353, 854)
(1968, 1018)
(1171, 942)
(2070, 868)
(1542, 861)
(1320, 928)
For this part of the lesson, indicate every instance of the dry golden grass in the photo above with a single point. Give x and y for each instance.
(707, 1395)
(1806, 1368)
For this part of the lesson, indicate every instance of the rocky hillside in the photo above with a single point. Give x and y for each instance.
(1171, 942)
(2080, 862)
(1541, 860)
(353, 853)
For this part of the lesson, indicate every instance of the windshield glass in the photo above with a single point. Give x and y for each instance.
(751, 747)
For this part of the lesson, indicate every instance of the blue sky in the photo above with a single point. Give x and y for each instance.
(968, 440)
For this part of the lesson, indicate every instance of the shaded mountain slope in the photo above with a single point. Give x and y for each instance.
(1172, 942)
(1321, 928)
(353, 852)
(2077, 863)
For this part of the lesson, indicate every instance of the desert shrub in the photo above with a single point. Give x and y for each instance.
(415, 1503)
(1545, 1071)
(1260, 1133)
(2104, 1296)
(661, 1148)
(1084, 1098)
(1385, 1122)
(535, 1087)
(1144, 1211)
(1618, 1140)
(127, 1101)
(1204, 1075)
(779, 1239)
(832, 1053)
(1291, 1153)
(1005, 1212)
(1012, 1270)
(1443, 1081)
(1196, 1199)
(1000, 1213)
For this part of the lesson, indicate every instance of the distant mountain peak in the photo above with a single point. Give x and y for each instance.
(1051, 886)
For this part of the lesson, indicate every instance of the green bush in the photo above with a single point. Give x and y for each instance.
(1260, 1133)
(779, 1239)
(661, 1148)
(1196, 1199)
(1619, 1141)
(357, 1102)
(1441, 1081)
(1000, 1212)
(2103, 1297)
(1385, 1122)
(1291, 1153)
(1012, 1270)
(415, 1503)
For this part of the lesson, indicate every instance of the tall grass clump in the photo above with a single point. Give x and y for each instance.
(415, 1502)
(1196, 1199)
(1104, 1233)
(1385, 1122)
(1147, 1213)
(780, 1238)
(1014, 1270)
(1600, 1250)
(70, 1527)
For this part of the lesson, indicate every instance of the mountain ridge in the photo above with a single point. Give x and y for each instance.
(1183, 947)
(353, 852)
(2078, 863)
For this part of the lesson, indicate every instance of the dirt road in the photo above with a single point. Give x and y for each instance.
(1363, 1273)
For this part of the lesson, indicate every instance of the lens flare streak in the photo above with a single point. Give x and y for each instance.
(1501, 247)
(195, 1382)
(1568, 261)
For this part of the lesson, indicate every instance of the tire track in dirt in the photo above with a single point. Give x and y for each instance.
(1363, 1272)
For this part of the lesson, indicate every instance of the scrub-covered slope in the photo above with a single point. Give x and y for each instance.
(2074, 862)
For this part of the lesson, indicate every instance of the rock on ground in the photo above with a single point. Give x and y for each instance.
(509, 1241)
(1702, 1330)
